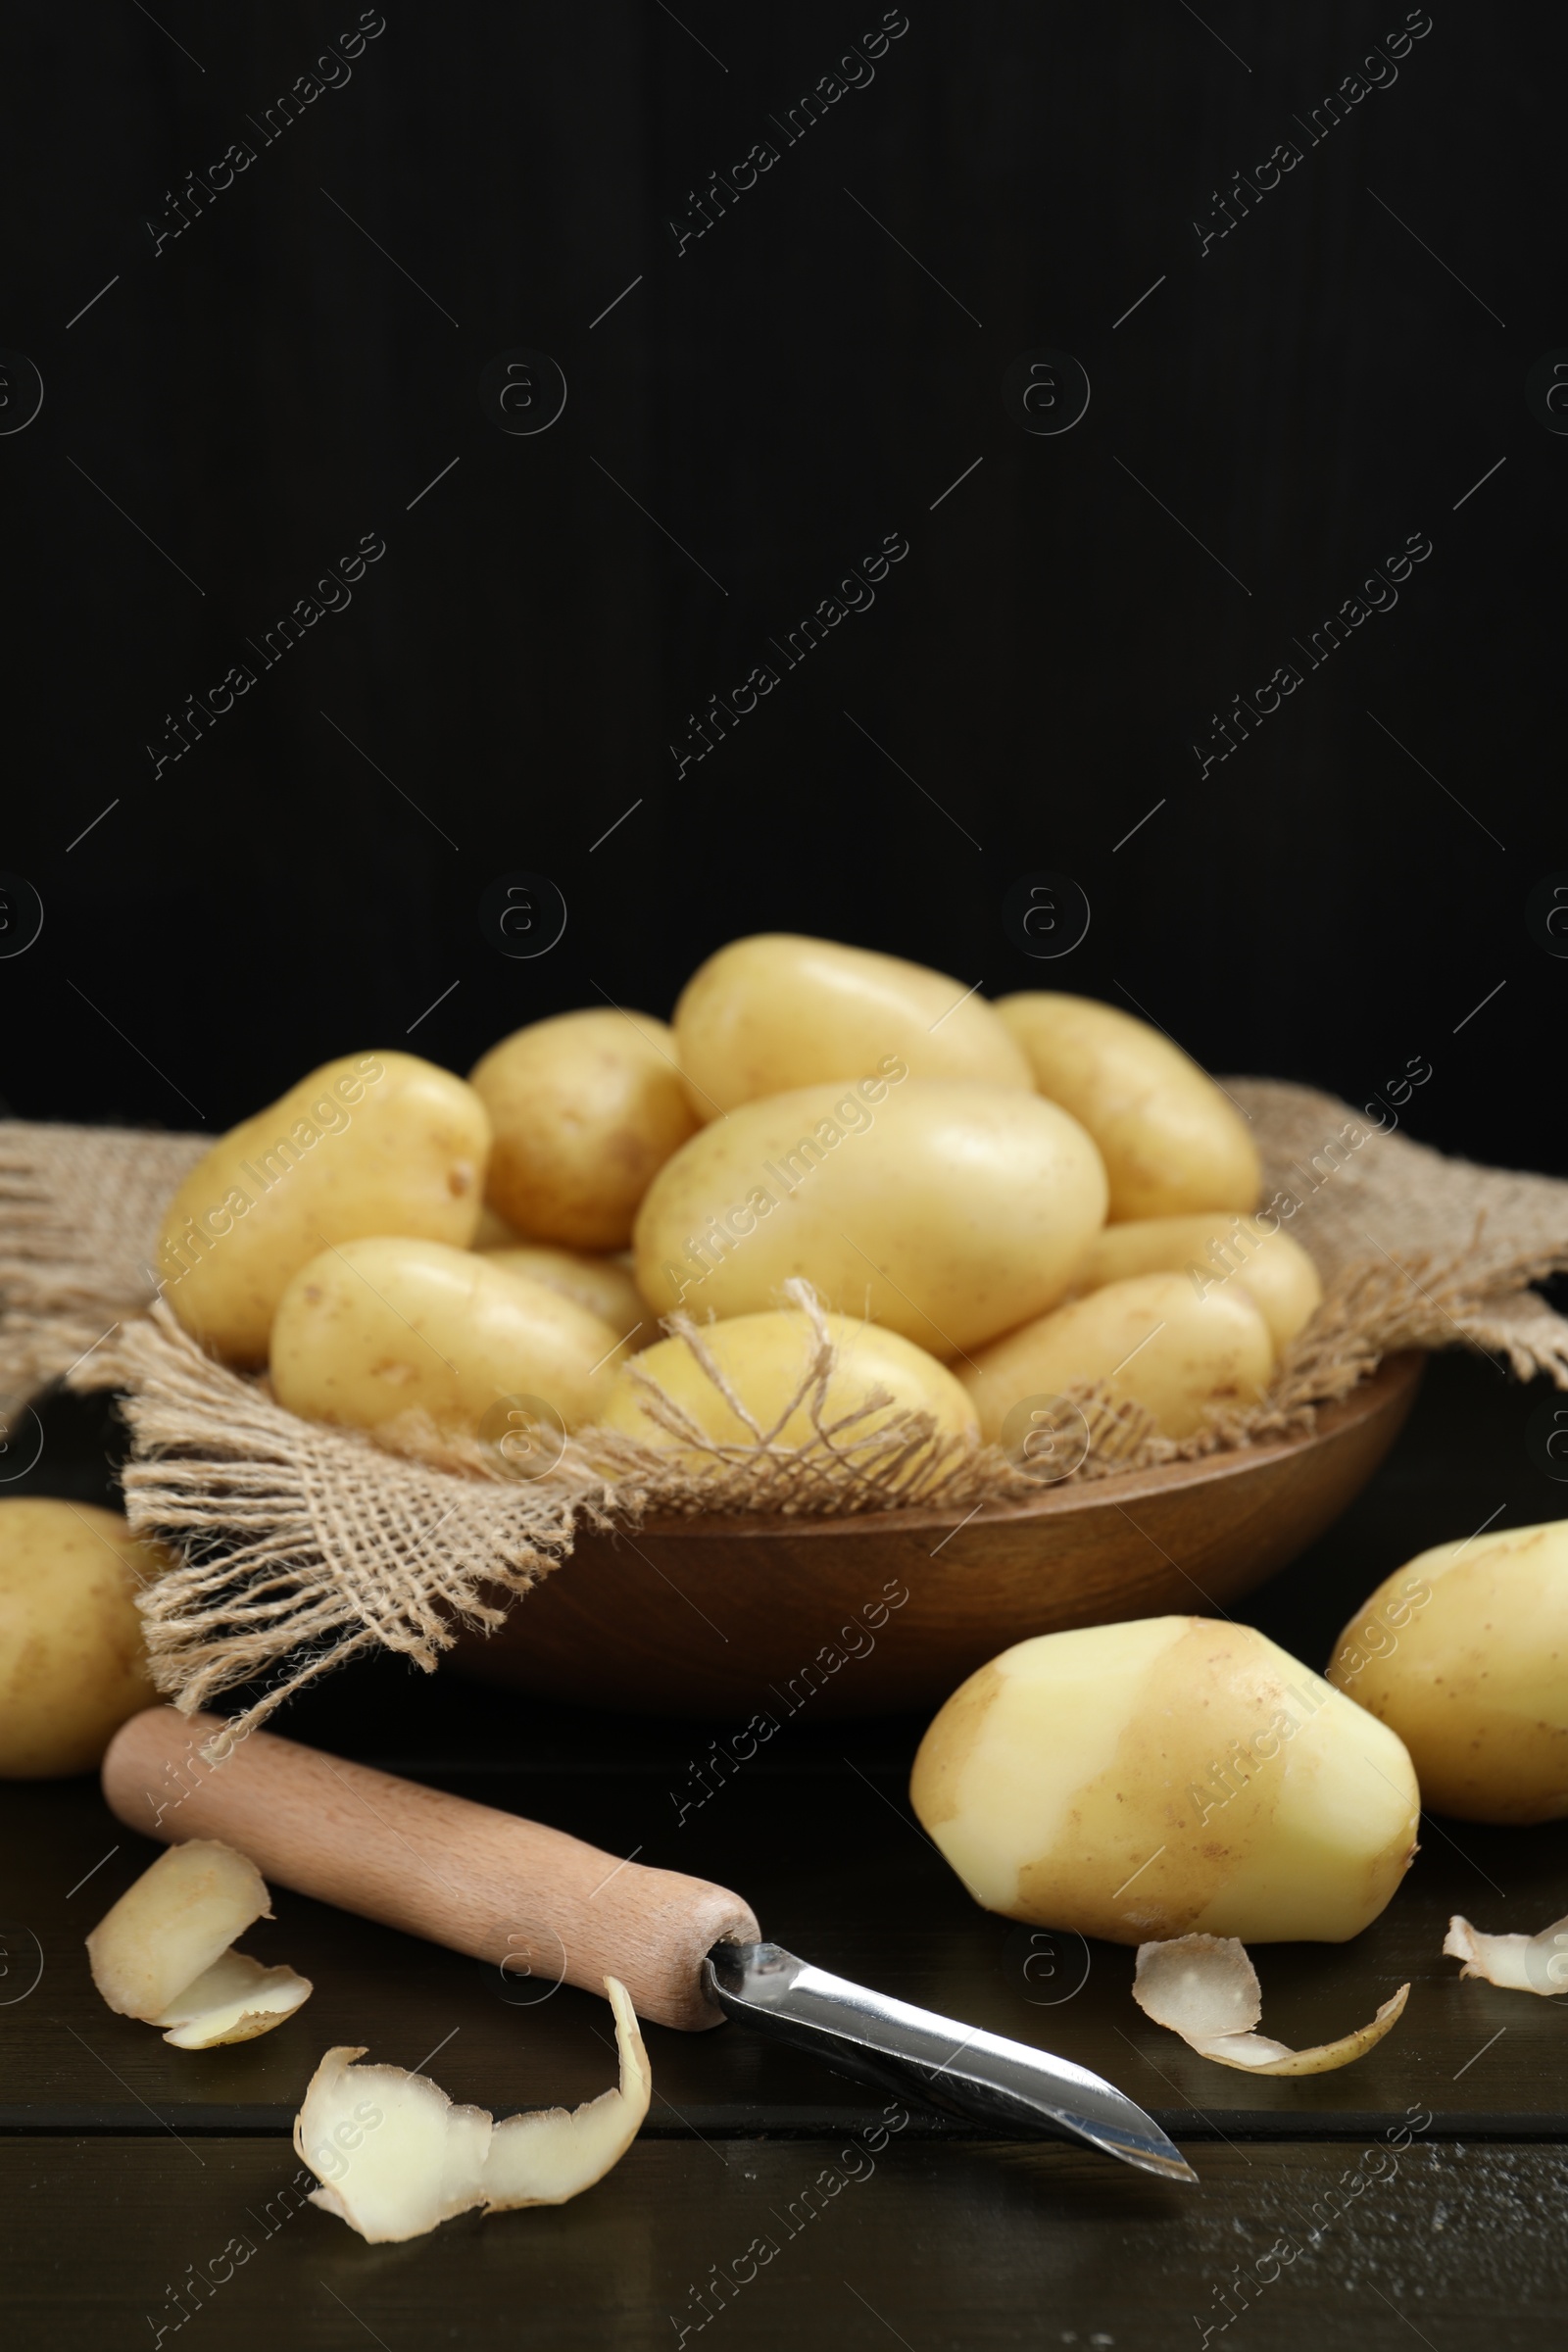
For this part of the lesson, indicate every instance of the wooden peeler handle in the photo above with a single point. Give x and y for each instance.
(501, 1889)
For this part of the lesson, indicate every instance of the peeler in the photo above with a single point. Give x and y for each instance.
(508, 1892)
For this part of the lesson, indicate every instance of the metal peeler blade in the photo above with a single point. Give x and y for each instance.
(973, 2073)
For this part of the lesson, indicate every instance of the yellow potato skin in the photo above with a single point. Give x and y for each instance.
(1171, 1143)
(764, 1358)
(1464, 1654)
(775, 1012)
(373, 1143)
(586, 1107)
(72, 1666)
(602, 1284)
(1277, 1271)
(1168, 1776)
(387, 1326)
(944, 1210)
(1151, 1339)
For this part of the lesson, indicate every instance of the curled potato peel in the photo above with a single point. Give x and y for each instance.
(1206, 1988)
(396, 2156)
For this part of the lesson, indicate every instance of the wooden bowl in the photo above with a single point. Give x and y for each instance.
(731, 1617)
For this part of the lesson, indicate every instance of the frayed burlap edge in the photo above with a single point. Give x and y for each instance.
(296, 1546)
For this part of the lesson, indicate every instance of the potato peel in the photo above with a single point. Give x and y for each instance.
(396, 2156)
(1206, 1988)
(233, 2000)
(1516, 1963)
(162, 1952)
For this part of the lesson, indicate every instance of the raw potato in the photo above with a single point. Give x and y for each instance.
(1206, 1988)
(603, 1285)
(945, 1212)
(1167, 1775)
(1152, 1341)
(494, 1233)
(1464, 1652)
(769, 1014)
(161, 1953)
(1172, 1143)
(1211, 1249)
(396, 2157)
(72, 1666)
(375, 1143)
(762, 1360)
(586, 1107)
(385, 1327)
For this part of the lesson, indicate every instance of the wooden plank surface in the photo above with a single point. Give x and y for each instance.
(955, 2247)
(154, 2154)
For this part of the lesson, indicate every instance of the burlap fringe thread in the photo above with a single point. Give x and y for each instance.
(296, 1546)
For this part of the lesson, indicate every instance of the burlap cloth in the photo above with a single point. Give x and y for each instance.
(294, 1546)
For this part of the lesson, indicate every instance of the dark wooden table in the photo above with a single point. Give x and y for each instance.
(1419, 2195)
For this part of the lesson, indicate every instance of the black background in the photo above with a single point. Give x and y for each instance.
(269, 385)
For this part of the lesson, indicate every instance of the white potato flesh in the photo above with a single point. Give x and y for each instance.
(1151, 1340)
(396, 2157)
(767, 1015)
(173, 1924)
(1167, 1775)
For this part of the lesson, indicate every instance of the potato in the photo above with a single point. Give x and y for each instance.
(1464, 1652)
(1172, 1143)
(603, 1285)
(586, 1107)
(1168, 1776)
(385, 1326)
(375, 1143)
(769, 1015)
(1152, 1341)
(72, 1662)
(942, 1210)
(494, 1233)
(764, 1358)
(1209, 1249)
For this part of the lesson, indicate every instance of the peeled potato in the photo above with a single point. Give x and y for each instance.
(1152, 1341)
(1464, 1654)
(945, 1212)
(1167, 1777)
(375, 1143)
(72, 1662)
(601, 1284)
(1211, 1249)
(775, 1012)
(586, 1107)
(384, 1327)
(1171, 1141)
(762, 1359)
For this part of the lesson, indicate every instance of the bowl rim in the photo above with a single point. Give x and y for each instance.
(1393, 1379)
